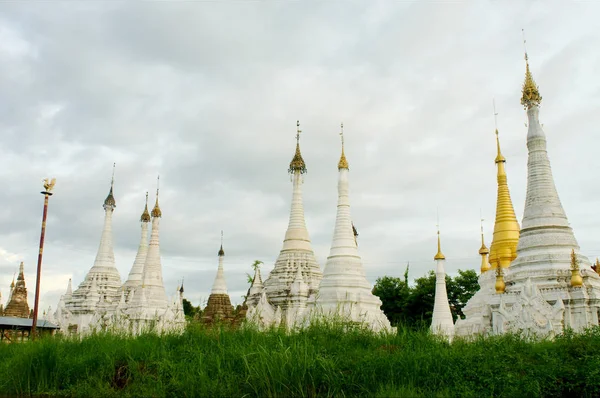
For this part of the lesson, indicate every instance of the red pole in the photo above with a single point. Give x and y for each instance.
(39, 265)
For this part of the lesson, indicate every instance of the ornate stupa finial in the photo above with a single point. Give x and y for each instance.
(576, 279)
(531, 94)
(343, 163)
(110, 199)
(181, 288)
(156, 210)
(439, 255)
(221, 251)
(484, 251)
(145, 215)
(297, 164)
(499, 156)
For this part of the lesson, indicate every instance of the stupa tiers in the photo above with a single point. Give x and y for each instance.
(139, 305)
(344, 292)
(543, 294)
(134, 280)
(218, 308)
(17, 304)
(297, 250)
(102, 280)
(441, 323)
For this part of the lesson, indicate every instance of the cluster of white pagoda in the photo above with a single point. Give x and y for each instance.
(534, 281)
(296, 291)
(140, 304)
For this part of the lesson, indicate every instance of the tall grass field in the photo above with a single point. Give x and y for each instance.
(320, 361)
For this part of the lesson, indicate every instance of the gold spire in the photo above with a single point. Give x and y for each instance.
(145, 215)
(110, 199)
(156, 210)
(221, 251)
(531, 94)
(506, 228)
(297, 164)
(576, 279)
(343, 163)
(483, 251)
(439, 255)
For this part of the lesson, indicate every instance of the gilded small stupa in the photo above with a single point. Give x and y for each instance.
(218, 307)
(17, 306)
(506, 228)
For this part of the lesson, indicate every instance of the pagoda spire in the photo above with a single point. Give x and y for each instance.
(104, 273)
(441, 321)
(152, 279)
(296, 243)
(136, 274)
(545, 227)
(483, 252)
(219, 286)
(503, 249)
(344, 290)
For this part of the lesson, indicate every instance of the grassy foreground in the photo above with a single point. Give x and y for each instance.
(320, 361)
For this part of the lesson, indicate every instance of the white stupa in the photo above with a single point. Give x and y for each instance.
(102, 280)
(344, 291)
(152, 280)
(441, 322)
(134, 280)
(297, 250)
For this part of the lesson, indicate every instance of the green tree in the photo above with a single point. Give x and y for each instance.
(394, 294)
(460, 290)
(413, 305)
(189, 309)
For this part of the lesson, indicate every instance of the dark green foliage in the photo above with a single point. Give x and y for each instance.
(321, 361)
(412, 306)
(189, 309)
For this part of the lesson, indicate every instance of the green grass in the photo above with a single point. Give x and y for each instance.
(322, 361)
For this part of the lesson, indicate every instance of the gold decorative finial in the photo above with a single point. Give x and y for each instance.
(500, 284)
(110, 199)
(439, 255)
(499, 156)
(531, 94)
(145, 215)
(221, 251)
(576, 279)
(156, 210)
(49, 184)
(297, 164)
(343, 163)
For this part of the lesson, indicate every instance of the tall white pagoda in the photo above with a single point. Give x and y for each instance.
(344, 292)
(135, 278)
(297, 250)
(102, 280)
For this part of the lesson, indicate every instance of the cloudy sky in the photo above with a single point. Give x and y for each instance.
(207, 94)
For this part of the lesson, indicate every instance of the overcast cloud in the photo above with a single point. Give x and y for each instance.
(207, 94)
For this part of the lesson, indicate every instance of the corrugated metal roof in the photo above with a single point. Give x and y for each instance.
(13, 322)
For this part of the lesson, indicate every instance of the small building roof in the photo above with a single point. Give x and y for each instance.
(11, 322)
